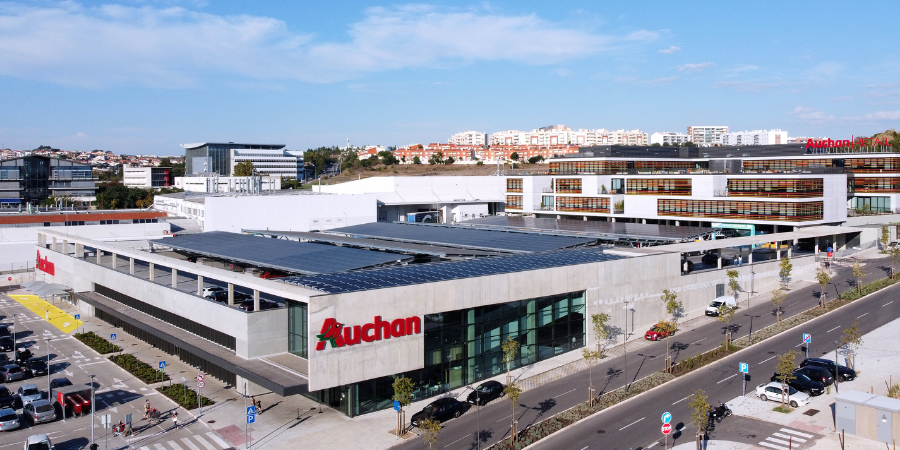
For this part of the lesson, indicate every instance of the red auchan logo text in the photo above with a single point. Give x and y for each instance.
(338, 335)
(861, 142)
(45, 266)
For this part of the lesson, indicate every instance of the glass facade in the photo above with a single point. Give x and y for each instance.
(464, 346)
(874, 185)
(874, 204)
(567, 185)
(658, 186)
(775, 187)
(729, 209)
(513, 202)
(583, 204)
(298, 324)
(513, 185)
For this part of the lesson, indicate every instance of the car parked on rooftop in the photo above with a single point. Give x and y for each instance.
(6, 343)
(247, 305)
(11, 372)
(39, 411)
(9, 420)
(773, 392)
(35, 367)
(28, 393)
(59, 382)
(441, 409)
(38, 442)
(845, 373)
(209, 290)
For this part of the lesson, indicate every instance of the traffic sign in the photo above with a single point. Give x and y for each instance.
(77, 316)
(745, 368)
(201, 384)
(200, 376)
(830, 254)
(397, 406)
(666, 417)
(162, 365)
(830, 250)
(667, 428)
(183, 380)
(9, 279)
(807, 338)
(251, 418)
(112, 336)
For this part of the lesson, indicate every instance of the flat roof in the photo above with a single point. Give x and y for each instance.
(429, 273)
(280, 254)
(462, 237)
(803, 233)
(609, 231)
(375, 244)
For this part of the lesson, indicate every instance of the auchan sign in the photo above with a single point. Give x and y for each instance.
(45, 266)
(858, 142)
(338, 335)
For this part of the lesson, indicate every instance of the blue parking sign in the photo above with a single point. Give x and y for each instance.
(251, 410)
(397, 405)
(251, 418)
(745, 368)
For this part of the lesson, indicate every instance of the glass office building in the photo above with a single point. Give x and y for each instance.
(465, 346)
(216, 157)
(33, 179)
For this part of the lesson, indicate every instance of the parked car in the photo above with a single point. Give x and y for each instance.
(39, 411)
(28, 393)
(209, 290)
(803, 383)
(657, 332)
(713, 308)
(11, 372)
(38, 442)
(247, 305)
(7, 399)
(23, 355)
(9, 420)
(817, 374)
(711, 259)
(773, 392)
(4, 360)
(485, 392)
(6, 343)
(35, 367)
(272, 274)
(846, 373)
(59, 382)
(441, 409)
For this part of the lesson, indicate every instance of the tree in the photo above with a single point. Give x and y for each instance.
(510, 351)
(535, 159)
(403, 388)
(602, 334)
(852, 339)
(388, 158)
(699, 406)
(449, 160)
(436, 158)
(512, 391)
(778, 296)
(655, 144)
(823, 278)
(784, 371)
(430, 430)
(858, 274)
(673, 310)
(319, 158)
(784, 271)
(733, 284)
(416, 160)
(591, 357)
(885, 237)
(243, 169)
(894, 251)
(726, 314)
(514, 156)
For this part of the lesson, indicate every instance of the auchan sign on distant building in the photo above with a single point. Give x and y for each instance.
(338, 335)
(858, 142)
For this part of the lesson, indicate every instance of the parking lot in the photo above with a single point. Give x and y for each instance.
(117, 393)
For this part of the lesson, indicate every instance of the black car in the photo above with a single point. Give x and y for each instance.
(817, 374)
(59, 382)
(441, 409)
(7, 399)
(22, 356)
(219, 296)
(6, 343)
(485, 392)
(803, 383)
(35, 367)
(711, 259)
(247, 305)
(846, 373)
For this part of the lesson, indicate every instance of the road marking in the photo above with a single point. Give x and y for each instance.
(692, 343)
(835, 328)
(632, 423)
(464, 437)
(145, 448)
(796, 433)
(203, 441)
(174, 445)
(190, 444)
(564, 393)
(888, 303)
(651, 445)
(768, 359)
(584, 448)
(794, 438)
(776, 447)
(861, 315)
(728, 378)
(159, 447)
(507, 417)
(799, 344)
(217, 440)
(777, 441)
(679, 401)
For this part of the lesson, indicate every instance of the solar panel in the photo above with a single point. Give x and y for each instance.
(289, 256)
(624, 230)
(496, 240)
(428, 273)
(377, 244)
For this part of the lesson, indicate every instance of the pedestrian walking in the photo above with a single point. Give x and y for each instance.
(175, 420)
(128, 430)
(258, 407)
(147, 408)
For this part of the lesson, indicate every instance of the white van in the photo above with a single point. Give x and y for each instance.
(713, 308)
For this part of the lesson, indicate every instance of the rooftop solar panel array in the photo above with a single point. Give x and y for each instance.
(377, 244)
(670, 233)
(428, 273)
(495, 240)
(289, 256)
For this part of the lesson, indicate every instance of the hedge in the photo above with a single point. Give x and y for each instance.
(97, 343)
(177, 394)
(145, 372)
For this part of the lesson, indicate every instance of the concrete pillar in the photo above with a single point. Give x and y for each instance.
(65, 247)
(817, 248)
(98, 253)
(115, 259)
(790, 252)
(613, 219)
(79, 251)
(152, 266)
(719, 261)
(644, 221)
(175, 278)
(199, 284)
(750, 258)
(255, 300)
(131, 266)
(778, 253)
(677, 223)
(585, 218)
(230, 294)
(54, 245)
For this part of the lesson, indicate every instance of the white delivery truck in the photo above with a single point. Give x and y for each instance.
(713, 308)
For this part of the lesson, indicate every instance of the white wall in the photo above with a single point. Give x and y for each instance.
(301, 212)
(431, 189)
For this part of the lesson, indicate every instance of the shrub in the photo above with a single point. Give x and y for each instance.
(97, 343)
(140, 369)
(176, 392)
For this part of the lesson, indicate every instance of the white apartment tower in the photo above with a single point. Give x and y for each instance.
(705, 136)
(470, 138)
(667, 137)
(756, 137)
(563, 135)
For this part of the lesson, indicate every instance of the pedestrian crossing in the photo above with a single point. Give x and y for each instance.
(786, 438)
(210, 441)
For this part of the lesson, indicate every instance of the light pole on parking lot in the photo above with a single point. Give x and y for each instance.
(92, 408)
(48, 369)
(477, 417)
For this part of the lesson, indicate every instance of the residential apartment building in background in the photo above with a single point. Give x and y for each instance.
(756, 137)
(147, 177)
(470, 138)
(220, 158)
(562, 135)
(706, 136)
(667, 137)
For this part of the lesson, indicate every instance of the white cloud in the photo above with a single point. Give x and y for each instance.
(754, 85)
(670, 50)
(814, 115)
(696, 67)
(880, 116)
(811, 115)
(73, 44)
(81, 135)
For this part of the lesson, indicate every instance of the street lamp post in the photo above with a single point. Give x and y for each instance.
(625, 345)
(836, 371)
(48, 369)
(93, 408)
(477, 418)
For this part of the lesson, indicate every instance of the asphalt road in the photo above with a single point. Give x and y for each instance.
(492, 422)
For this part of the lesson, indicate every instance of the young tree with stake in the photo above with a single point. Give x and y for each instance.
(403, 388)
(852, 339)
(894, 251)
(858, 274)
(699, 415)
(673, 309)
(778, 297)
(430, 430)
(510, 351)
(726, 314)
(785, 372)
(823, 278)
(784, 272)
(513, 391)
(602, 335)
(733, 284)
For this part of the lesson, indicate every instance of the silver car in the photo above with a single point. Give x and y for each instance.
(12, 372)
(29, 393)
(9, 420)
(39, 411)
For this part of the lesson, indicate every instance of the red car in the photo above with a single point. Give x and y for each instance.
(658, 332)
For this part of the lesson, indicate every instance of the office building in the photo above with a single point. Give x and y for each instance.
(147, 177)
(268, 160)
(33, 179)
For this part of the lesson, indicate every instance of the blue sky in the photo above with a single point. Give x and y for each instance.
(144, 76)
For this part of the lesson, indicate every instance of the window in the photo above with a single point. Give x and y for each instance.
(583, 204)
(513, 185)
(773, 187)
(658, 186)
(874, 204)
(749, 210)
(513, 202)
(568, 185)
(875, 185)
(298, 326)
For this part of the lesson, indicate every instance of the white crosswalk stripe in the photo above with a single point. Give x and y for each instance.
(174, 445)
(776, 447)
(796, 433)
(781, 441)
(792, 438)
(159, 447)
(217, 440)
(205, 444)
(189, 444)
(144, 448)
